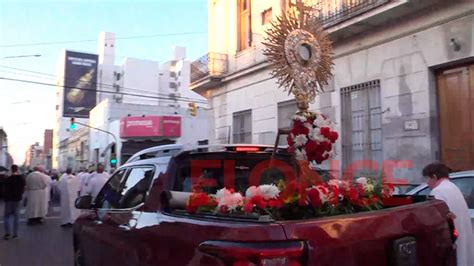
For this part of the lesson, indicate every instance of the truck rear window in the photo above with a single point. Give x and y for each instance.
(231, 170)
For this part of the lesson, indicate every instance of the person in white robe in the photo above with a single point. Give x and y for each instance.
(443, 189)
(36, 187)
(96, 181)
(69, 187)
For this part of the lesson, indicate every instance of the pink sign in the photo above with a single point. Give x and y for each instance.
(150, 126)
(171, 126)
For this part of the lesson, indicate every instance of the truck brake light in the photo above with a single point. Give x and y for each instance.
(453, 230)
(247, 149)
(256, 254)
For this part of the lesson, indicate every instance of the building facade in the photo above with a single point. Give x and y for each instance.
(48, 148)
(34, 156)
(131, 87)
(403, 80)
(3, 148)
(134, 127)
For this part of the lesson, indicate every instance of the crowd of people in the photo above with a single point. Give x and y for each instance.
(37, 188)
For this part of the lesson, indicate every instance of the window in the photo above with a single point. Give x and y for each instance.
(109, 196)
(213, 178)
(123, 193)
(267, 16)
(242, 127)
(286, 110)
(466, 185)
(244, 23)
(361, 124)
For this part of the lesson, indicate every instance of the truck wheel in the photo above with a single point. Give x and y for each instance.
(78, 254)
(78, 257)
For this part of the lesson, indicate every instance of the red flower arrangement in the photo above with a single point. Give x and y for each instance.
(295, 200)
(311, 138)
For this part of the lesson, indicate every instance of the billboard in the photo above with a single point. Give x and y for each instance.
(150, 126)
(80, 84)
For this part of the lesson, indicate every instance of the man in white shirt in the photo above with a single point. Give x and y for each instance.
(96, 181)
(445, 190)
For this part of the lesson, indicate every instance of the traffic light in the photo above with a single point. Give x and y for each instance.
(192, 108)
(113, 160)
(73, 124)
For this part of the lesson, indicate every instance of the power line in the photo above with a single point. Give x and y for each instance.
(112, 92)
(96, 83)
(94, 40)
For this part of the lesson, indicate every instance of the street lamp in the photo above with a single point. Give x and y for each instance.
(21, 56)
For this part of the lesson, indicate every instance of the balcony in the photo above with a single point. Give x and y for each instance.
(208, 70)
(333, 12)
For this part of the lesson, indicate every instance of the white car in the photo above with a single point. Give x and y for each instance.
(464, 180)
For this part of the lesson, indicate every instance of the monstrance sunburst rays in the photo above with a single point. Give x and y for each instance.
(300, 53)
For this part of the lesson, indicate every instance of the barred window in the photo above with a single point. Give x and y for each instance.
(361, 124)
(286, 110)
(242, 127)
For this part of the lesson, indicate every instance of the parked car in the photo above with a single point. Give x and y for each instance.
(403, 188)
(134, 221)
(464, 180)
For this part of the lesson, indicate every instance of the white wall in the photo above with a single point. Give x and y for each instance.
(140, 77)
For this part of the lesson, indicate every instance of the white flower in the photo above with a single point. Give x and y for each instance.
(225, 197)
(316, 135)
(269, 191)
(253, 191)
(234, 201)
(320, 121)
(329, 153)
(300, 155)
(301, 118)
(334, 182)
(362, 181)
(300, 140)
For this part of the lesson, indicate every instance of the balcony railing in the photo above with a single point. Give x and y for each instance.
(332, 12)
(211, 64)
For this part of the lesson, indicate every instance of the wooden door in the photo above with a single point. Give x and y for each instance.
(456, 114)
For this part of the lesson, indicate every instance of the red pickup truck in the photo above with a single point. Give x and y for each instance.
(133, 221)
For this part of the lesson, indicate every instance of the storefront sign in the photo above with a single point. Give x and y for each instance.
(150, 126)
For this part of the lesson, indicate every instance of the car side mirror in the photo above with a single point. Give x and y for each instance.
(83, 202)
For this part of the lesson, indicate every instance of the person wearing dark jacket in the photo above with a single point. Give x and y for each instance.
(14, 188)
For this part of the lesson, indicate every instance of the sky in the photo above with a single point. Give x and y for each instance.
(26, 110)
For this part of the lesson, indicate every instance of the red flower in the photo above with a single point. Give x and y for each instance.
(290, 140)
(325, 131)
(303, 195)
(275, 203)
(314, 198)
(311, 146)
(352, 196)
(299, 128)
(334, 198)
(259, 201)
(387, 190)
(326, 146)
(333, 136)
(248, 207)
(197, 200)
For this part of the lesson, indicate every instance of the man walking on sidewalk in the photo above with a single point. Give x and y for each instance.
(14, 188)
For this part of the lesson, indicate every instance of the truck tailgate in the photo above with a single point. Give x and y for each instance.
(367, 238)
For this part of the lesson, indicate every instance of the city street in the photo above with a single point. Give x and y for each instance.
(46, 244)
(237, 132)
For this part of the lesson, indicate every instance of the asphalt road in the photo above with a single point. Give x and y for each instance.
(47, 244)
